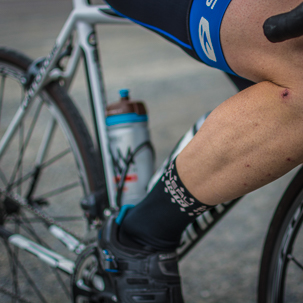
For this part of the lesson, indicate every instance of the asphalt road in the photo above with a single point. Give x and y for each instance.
(177, 90)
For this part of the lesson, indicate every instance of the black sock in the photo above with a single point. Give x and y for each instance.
(160, 219)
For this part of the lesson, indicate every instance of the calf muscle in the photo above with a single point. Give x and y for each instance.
(250, 140)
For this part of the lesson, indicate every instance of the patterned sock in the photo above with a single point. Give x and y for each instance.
(160, 219)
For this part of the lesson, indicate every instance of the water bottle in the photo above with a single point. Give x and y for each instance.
(131, 148)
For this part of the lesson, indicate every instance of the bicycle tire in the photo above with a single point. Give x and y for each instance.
(281, 271)
(68, 156)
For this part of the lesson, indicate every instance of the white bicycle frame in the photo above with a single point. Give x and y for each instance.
(81, 20)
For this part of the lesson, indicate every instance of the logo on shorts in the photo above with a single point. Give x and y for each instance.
(205, 40)
(211, 3)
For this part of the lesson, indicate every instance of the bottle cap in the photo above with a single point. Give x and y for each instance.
(125, 111)
(124, 93)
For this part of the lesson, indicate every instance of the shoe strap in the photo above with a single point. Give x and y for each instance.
(111, 264)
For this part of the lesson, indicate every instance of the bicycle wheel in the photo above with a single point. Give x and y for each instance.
(281, 272)
(49, 165)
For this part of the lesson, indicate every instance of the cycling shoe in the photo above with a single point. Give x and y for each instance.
(139, 275)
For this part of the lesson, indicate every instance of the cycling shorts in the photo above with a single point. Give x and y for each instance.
(194, 25)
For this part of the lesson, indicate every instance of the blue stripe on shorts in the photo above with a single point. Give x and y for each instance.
(204, 25)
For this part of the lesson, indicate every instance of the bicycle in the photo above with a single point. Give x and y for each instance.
(15, 200)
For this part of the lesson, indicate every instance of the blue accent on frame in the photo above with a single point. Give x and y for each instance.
(112, 270)
(204, 25)
(123, 210)
(125, 118)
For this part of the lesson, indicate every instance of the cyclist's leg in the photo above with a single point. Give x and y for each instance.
(254, 137)
(251, 139)
(248, 141)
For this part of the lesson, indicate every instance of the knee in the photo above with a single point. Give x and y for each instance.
(287, 100)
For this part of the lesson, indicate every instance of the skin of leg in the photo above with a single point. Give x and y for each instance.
(256, 136)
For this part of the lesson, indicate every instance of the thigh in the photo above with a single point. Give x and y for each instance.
(248, 52)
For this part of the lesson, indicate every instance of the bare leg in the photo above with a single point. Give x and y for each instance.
(256, 136)
(248, 141)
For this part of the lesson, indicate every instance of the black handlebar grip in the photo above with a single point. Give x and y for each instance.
(284, 26)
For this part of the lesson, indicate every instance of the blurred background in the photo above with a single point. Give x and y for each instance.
(177, 91)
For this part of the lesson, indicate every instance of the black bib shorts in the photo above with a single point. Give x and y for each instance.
(194, 25)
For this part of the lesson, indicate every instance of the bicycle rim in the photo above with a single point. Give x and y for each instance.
(281, 274)
(46, 166)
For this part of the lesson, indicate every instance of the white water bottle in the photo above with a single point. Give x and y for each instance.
(131, 148)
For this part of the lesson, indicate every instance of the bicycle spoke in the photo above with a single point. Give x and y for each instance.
(3, 78)
(58, 191)
(41, 215)
(55, 158)
(42, 151)
(43, 166)
(29, 229)
(21, 138)
(2, 177)
(11, 130)
(13, 296)
(25, 273)
(48, 134)
(19, 181)
(15, 267)
(14, 280)
(27, 139)
(292, 258)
